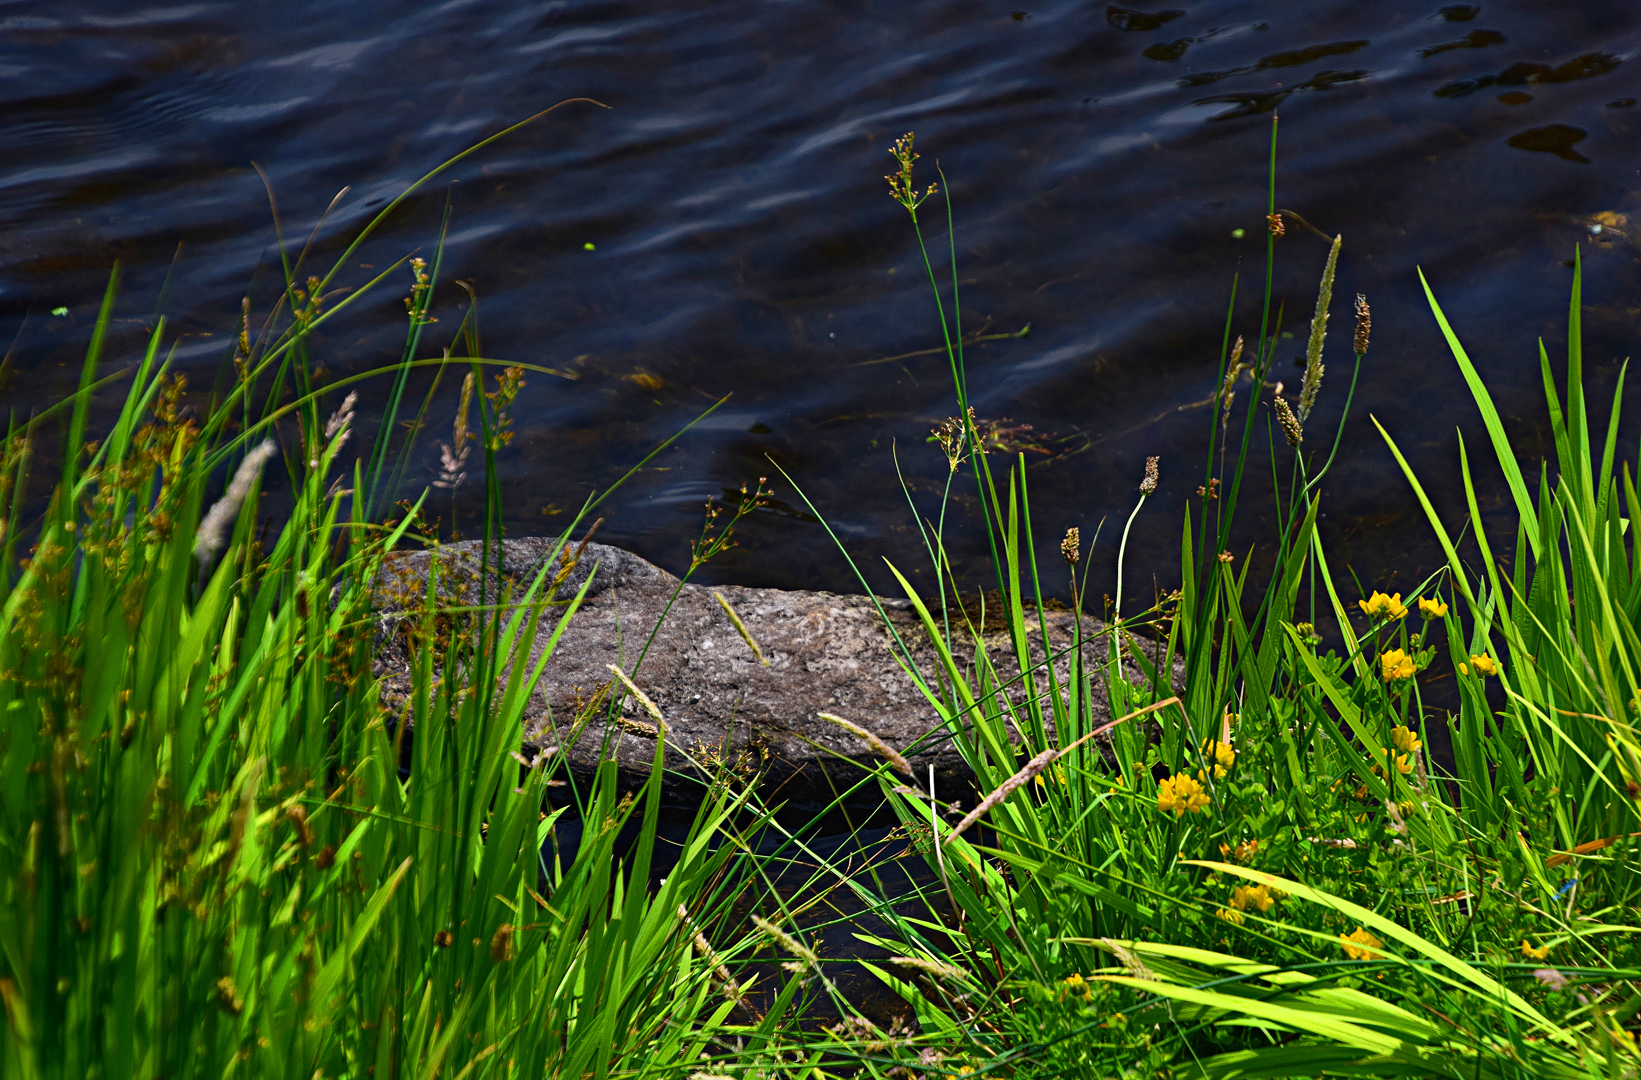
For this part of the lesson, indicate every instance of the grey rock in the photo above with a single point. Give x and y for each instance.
(825, 653)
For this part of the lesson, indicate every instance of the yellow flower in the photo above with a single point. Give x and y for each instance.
(1361, 945)
(1431, 609)
(1241, 853)
(1233, 917)
(1056, 773)
(1253, 898)
(1483, 665)
(1379, 605)
(1182, 795)
(1534, 954)
(1076, 986)
(1221, 754)
(1404, 764)
(1397, 664)
(1404, 739)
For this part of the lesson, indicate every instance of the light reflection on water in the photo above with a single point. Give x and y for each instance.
(1099, 159)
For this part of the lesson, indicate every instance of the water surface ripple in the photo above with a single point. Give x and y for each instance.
(1099, 159)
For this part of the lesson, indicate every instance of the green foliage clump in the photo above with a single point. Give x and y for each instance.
(1263, 869)
(223, 852)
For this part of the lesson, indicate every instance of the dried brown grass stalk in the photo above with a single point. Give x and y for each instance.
(1033, 768)
(1037, 764)
(887, 752)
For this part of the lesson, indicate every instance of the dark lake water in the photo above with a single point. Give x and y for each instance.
(742, 239)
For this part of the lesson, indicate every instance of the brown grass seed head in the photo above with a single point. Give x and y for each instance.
(453, 455)
(501, 944)
(1312, 382)
(888, 753)
(786, 941)
(1149, 484)
(1364, 325)
(643, 700)
(1008, 787)
(244, 336)
(212, 531)
(1071, 546)
(1233, 371)
(720, 970)
(1289, 423)
(932, 967)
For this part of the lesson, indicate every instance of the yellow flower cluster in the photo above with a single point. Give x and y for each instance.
(1379, 605)
(1431, 609)
(1181, 795)
(1403, 766)
(1245, 898)
(1361, 945)
(1483, 666)
(1396, 664)
(1403, 745)
(1540, 953)
(1220, 755)
(1253, 898)
(1076, 986)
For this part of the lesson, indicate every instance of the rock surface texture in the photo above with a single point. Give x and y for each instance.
(825, 653)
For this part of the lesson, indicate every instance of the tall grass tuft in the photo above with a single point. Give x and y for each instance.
(1261, 870)
(222, 853)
